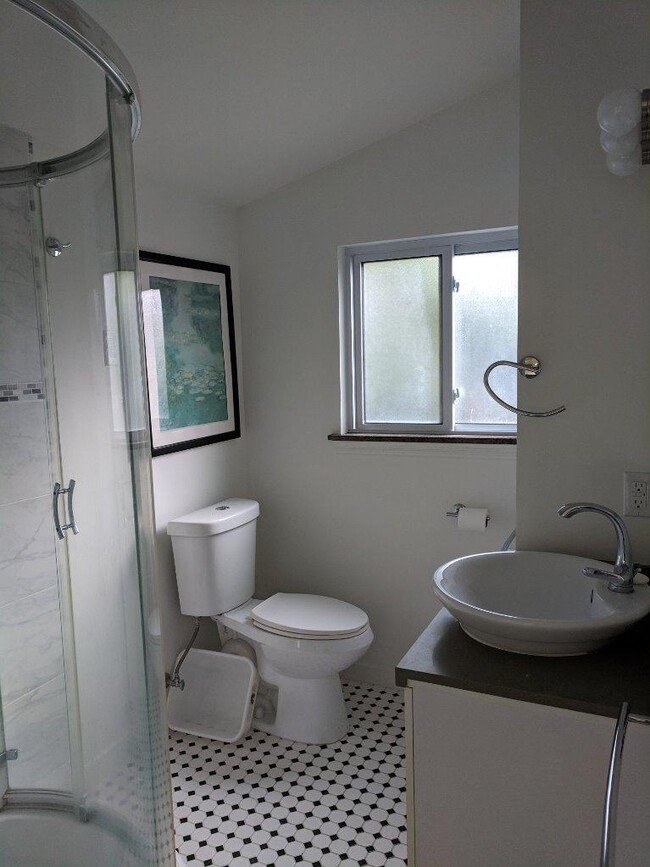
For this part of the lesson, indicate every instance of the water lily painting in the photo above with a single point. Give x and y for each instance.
(190, 348)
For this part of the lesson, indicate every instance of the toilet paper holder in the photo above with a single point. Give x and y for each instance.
(456, 511)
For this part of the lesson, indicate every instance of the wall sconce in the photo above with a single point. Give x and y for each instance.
(624, 120)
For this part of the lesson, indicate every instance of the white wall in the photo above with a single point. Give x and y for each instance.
(171, 222)
(365, 522)
(584, 287)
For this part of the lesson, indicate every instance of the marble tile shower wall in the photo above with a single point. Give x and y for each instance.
(31, 650)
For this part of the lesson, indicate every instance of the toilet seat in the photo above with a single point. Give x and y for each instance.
(303, 615)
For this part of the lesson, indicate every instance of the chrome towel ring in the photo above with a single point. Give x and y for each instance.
(529, 366)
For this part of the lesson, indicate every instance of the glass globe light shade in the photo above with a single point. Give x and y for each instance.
(620, 145)
(620, 111)
(624, 166)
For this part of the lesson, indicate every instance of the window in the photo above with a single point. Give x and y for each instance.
(422, 320)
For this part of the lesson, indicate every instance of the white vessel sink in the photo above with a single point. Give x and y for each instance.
(537, 603)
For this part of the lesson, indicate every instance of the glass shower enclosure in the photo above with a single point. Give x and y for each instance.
(84, 775)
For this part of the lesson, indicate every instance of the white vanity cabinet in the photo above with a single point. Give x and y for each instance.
(497, 782)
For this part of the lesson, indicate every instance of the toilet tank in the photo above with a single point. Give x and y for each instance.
(214, 555)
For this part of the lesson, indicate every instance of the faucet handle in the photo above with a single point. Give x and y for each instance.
(598, 573)
(616, 581)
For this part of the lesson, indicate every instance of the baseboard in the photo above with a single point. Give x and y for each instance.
(378, 674)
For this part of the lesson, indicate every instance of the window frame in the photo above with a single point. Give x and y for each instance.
(351, 261)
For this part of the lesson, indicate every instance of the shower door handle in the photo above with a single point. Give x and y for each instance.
(71, 525)
(55, 510)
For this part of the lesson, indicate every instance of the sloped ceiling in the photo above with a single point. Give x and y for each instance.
(243, 96)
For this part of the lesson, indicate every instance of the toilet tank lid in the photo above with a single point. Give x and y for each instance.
(218, 518)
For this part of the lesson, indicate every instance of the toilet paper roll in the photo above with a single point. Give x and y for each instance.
(475, 520)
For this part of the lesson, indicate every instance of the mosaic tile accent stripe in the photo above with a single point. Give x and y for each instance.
(265, 800)
(21, 391)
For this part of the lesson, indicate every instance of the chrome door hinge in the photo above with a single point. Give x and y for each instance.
(455, 285)
(455, 394)
(8, 756)
(83, 810)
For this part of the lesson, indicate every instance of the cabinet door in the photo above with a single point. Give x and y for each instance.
(503, 783)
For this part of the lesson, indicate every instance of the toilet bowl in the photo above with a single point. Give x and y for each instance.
(301, 641)
(309, 706)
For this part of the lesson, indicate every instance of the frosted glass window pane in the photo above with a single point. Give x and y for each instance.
(401, 340)
(485, 330)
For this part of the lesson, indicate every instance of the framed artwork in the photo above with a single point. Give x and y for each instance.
(190, 347)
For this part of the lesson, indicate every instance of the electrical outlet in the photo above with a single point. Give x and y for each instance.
(637, 494)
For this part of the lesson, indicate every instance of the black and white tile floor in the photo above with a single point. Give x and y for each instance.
(265, 800)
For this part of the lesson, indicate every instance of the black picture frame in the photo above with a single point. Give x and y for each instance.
(166, 269)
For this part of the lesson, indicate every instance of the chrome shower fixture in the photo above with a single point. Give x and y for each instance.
(55, 247)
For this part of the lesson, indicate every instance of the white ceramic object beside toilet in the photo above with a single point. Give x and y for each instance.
(302, 642)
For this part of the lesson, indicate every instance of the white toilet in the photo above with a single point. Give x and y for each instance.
(301, 642)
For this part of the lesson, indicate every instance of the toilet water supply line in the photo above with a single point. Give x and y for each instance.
(175, 680)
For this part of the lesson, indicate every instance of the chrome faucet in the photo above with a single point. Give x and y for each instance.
(621, 579)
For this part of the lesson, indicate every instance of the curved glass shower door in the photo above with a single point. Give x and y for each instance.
(84, 775)
(4, 777)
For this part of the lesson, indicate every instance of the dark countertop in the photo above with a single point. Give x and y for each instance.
(596, 683)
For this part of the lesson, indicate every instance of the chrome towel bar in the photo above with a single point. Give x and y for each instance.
(529, 366)
(613, 780)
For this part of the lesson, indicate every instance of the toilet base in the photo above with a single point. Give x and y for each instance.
(309, 710)
(309, 700)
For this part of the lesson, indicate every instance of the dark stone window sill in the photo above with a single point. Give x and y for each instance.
(460, 439)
